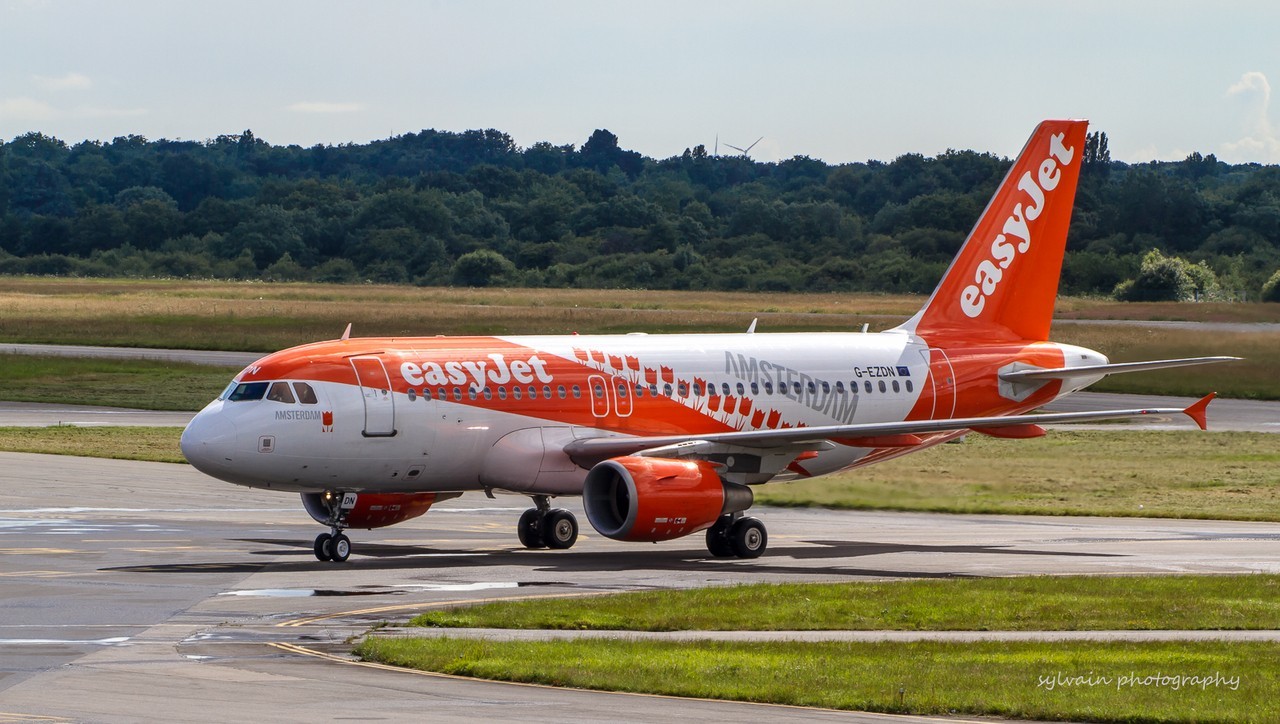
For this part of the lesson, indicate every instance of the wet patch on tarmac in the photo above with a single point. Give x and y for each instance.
(387, 590)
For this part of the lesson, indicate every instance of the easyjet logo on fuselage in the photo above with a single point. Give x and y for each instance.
(1003, 251)
(496, 370)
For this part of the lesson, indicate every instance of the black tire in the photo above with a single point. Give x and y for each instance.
(529, 529)
(323, 547)
(718, 543)
(748, 538)
(340, 548)
(559, 529)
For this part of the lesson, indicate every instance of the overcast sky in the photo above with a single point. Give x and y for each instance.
(840, 81)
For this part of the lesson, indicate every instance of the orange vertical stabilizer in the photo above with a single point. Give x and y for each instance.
(1003, 283)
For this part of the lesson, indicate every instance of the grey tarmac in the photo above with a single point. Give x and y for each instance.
(146, 590)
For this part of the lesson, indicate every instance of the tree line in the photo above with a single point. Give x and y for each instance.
(474, 208)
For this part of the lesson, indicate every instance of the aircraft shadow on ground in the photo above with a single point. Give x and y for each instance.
(375, 556)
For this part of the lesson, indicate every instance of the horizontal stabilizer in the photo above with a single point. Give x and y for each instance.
(1066, 373)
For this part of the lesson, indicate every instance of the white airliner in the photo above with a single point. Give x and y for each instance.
(664, 436)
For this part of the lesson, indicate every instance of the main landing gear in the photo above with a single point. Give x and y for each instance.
(737, 536)
(543, 527)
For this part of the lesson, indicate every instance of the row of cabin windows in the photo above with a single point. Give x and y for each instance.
(624, 390)
(274, 391)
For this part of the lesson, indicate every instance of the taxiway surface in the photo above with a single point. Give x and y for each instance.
(150, 590)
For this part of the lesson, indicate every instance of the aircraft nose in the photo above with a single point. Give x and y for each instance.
(209, 442)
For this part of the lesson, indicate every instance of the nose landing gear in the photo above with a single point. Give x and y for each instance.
(334, 546)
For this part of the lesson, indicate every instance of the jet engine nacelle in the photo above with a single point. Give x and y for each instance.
(653, 499)
(372, 510)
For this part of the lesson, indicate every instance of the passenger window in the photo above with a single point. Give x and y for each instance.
(666, 389)
(724, 388)
(826, 387)
(306, 395)
(895, 386)
(653, 390)
(796, 387)
(577, 392)
(697, 389)
(741, 390)
(517, 393)
(546, 391)
(533, 392)
(910, 387)
(560, 392)
(839, 387)
(488, 393)
(248, 391)
(639, 391)
(684, 389)
(768, 387)
(755, 388)
(412, 395)
(622, 391)
(882, 386)
(280, 392)
(426, 394)
(867, 385)
(457, 394)
(599, 391)
(811, 387)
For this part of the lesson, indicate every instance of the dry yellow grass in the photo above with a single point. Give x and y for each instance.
(254, 316)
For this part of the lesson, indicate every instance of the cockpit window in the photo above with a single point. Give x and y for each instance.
(306, 395)
(280, 392)
(248, 391)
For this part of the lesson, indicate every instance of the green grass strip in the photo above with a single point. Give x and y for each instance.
(140, 384)
(1026, 603)
(1102, 682)
(155, 444)
(1161, 473)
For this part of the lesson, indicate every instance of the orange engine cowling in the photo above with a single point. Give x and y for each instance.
(373, 510)
(653, 499)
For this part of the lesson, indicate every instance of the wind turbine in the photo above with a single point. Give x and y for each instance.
(747, 150)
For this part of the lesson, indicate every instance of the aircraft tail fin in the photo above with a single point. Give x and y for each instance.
(1003, 282)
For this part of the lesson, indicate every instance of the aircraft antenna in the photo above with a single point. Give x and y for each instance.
(347, 333)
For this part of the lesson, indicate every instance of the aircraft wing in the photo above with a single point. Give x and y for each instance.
(589, 451)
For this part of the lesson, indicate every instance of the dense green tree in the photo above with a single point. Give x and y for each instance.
(409, 209)
(1271, 289)
(482, 268)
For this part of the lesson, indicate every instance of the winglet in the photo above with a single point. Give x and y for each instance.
(1197, 411)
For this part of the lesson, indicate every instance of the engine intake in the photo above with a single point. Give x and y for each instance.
(654, 499)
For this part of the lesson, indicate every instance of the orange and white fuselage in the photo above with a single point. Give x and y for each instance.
(664, 435)
(458, 414)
